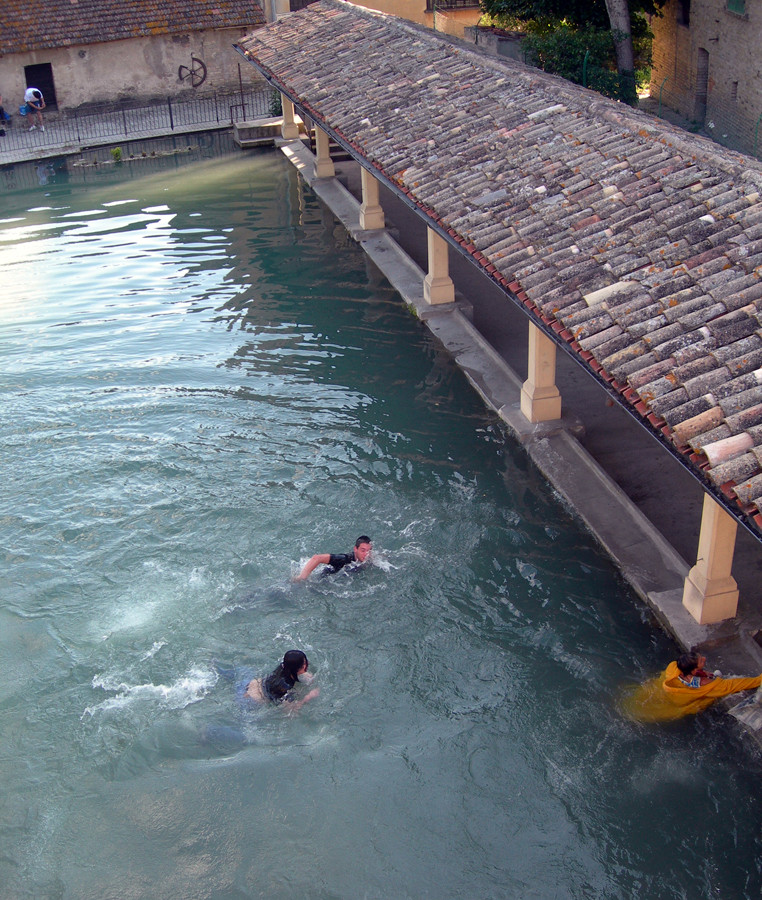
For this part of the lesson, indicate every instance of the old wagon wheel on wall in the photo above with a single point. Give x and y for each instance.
(196, 74)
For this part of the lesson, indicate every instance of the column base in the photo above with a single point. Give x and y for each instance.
(438, 290)
(710, 601)
(289, 131)
(371, 217)
(540, 404)
(324, 168)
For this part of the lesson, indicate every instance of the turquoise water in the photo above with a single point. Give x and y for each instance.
(204, 382)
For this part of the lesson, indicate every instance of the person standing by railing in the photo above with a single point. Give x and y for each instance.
(35, 103)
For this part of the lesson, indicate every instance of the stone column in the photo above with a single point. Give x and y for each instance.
(289, 130)
(371, 213)
(323, 162)
(711, 593)
(437, 285)
(540, 398)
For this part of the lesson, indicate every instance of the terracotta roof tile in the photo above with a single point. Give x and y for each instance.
(750, 490)
(27, 25)
(669, 401)
(747, 362)
(709, 437)
(735, 470)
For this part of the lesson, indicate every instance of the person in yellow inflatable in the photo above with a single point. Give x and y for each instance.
(689, 686)
(683, 689)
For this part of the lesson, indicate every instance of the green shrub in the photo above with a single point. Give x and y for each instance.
(276, 105)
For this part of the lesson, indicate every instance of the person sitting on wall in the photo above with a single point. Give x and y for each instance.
(35, 103)
(359, 557)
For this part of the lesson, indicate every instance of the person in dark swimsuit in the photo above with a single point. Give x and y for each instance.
(359, 556)
(279, 684)
(252, 692)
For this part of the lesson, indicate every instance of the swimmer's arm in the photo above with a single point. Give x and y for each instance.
(319, 559)
(298, 704)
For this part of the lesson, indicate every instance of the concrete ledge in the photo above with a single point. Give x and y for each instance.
(257, 132)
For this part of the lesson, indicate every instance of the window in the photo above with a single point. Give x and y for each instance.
(684, 12)
(737, 6)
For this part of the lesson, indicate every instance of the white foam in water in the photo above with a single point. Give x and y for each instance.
(415, 528)
(187, 689)
(157, 645)
(528, 572)
(382, 562)
(135, 615)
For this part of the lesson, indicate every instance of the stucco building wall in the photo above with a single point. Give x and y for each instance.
(707, 66)
(448, 21)
(141, 69)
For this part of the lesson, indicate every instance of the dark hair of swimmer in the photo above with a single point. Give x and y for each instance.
(363, 539)
(279, 683)
(292, 662)
(687, 662)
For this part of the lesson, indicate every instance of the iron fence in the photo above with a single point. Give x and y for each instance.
(102, 124)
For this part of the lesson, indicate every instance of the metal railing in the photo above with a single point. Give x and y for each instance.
(104, 123)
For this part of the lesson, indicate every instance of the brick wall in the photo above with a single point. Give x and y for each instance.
(715, 54)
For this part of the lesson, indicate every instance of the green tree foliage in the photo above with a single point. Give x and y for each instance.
(578, 13)
(573, 39)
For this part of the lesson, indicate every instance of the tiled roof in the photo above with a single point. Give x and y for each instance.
(637, 245)
(42, 24)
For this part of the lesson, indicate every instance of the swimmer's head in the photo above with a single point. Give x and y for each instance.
(363, 547)
(295, 663)
(687, 662)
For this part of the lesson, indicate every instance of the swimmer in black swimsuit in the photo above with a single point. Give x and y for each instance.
(278, 685)
(336, 561)
(255, 692)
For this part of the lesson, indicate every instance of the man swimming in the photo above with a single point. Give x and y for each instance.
(359, 556)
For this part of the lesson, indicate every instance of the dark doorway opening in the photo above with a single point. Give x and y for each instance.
(41, 77)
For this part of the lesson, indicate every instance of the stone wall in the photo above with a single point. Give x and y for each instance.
(707, 67)
(496, 42)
